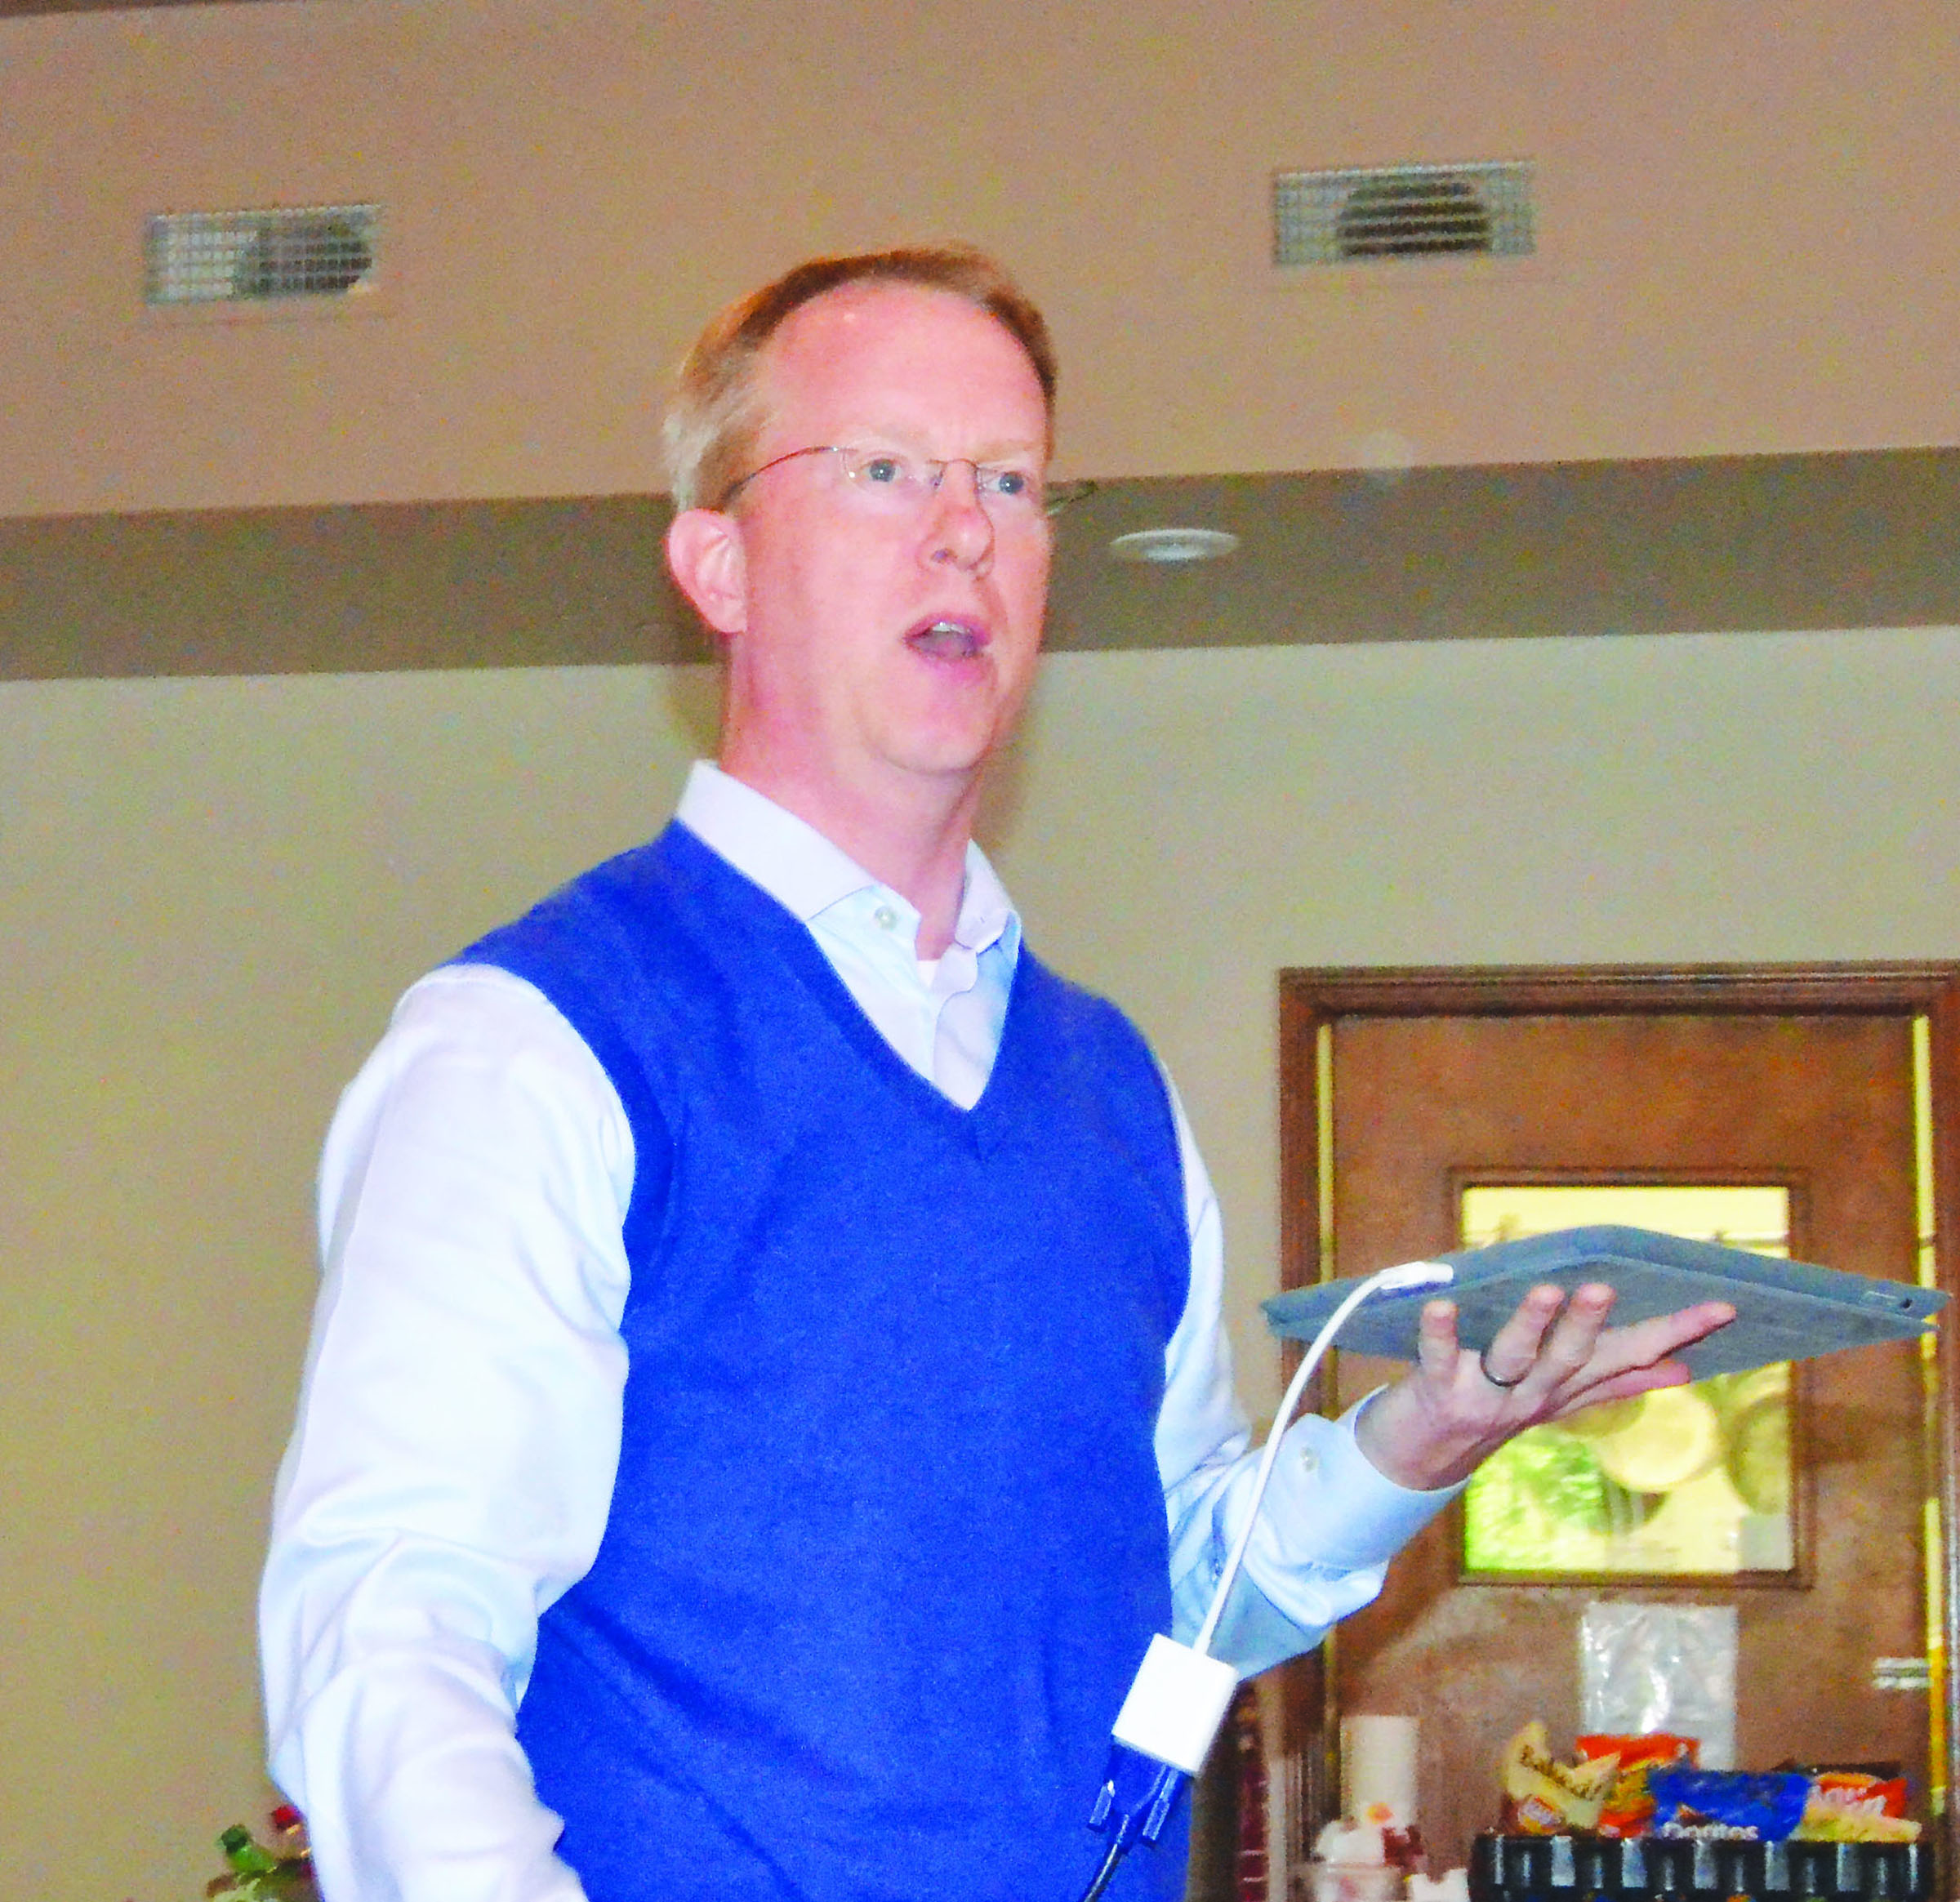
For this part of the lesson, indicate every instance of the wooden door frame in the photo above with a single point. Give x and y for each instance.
(1310, 999)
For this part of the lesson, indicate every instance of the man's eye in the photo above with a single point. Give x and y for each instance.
(1014, 484)
(889, 471)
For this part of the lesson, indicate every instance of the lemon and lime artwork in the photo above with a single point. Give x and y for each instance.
(1686, 1481)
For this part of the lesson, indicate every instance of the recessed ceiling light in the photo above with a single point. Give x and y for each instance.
(1174, 547)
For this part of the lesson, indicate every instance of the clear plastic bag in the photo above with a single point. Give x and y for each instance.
(1648, 1667)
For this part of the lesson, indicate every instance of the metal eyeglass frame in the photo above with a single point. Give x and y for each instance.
(1055, 496)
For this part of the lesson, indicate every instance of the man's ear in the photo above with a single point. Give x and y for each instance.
(705, 557)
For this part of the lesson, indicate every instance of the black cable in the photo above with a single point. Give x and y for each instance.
(1135, 1801)
(1107, 1874)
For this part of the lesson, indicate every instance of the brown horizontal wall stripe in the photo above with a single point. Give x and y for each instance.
(382, 588)
(20, 9)
(1727, 544)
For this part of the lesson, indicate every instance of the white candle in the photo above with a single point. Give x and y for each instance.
(1378, 1770)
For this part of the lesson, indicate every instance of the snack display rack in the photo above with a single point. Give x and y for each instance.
(1653, 1868)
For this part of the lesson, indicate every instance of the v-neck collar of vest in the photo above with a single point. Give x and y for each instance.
(761, 911)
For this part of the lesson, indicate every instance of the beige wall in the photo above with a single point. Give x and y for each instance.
(209, 890)
(1747, 237)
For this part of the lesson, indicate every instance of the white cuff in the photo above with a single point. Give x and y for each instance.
(1328, 1504)
(1330, 1523)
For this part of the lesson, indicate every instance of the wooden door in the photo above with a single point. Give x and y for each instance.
(1806, 1080)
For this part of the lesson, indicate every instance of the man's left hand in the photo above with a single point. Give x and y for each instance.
(1455, 1407)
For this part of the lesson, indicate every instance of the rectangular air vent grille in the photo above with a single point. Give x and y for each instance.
(254, 257)
(1401, 212)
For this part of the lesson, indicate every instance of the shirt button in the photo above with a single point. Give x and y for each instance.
(1309, 1459)
(886, 918)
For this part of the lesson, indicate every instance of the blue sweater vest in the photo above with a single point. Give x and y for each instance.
(888, 1541)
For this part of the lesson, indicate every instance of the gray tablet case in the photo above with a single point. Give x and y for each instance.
(1785, 1311)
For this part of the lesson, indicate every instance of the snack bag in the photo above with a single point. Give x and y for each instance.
(1847, 1806)
(1765, 1806)
(1628, 1808)
(1545, 1798)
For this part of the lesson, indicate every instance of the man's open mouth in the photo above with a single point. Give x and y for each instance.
(947, 639)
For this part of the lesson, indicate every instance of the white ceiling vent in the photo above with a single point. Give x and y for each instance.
(1401, 212)
(259, 257)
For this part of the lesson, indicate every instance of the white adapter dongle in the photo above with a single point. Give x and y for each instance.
(1175, 1705)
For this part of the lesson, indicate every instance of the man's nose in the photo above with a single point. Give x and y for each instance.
(960, 531)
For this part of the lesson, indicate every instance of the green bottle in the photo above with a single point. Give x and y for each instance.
(244, 1855)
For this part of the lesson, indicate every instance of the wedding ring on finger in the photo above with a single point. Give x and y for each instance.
(1483, 1366)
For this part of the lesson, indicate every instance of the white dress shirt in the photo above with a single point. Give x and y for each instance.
(452, 1469)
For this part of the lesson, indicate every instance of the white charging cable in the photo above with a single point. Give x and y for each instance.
(1385, 1280)
(1180, 1696)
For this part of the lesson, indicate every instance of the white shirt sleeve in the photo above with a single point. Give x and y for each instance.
(1330, 1521)
(458, 1434)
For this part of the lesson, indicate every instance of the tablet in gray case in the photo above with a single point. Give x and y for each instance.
(1785, 1311)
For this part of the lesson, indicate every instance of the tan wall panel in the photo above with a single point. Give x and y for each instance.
(1747, 244)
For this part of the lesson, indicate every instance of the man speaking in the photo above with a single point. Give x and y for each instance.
(768, 1384)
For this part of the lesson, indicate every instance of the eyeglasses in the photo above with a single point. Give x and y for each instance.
(894, 484)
